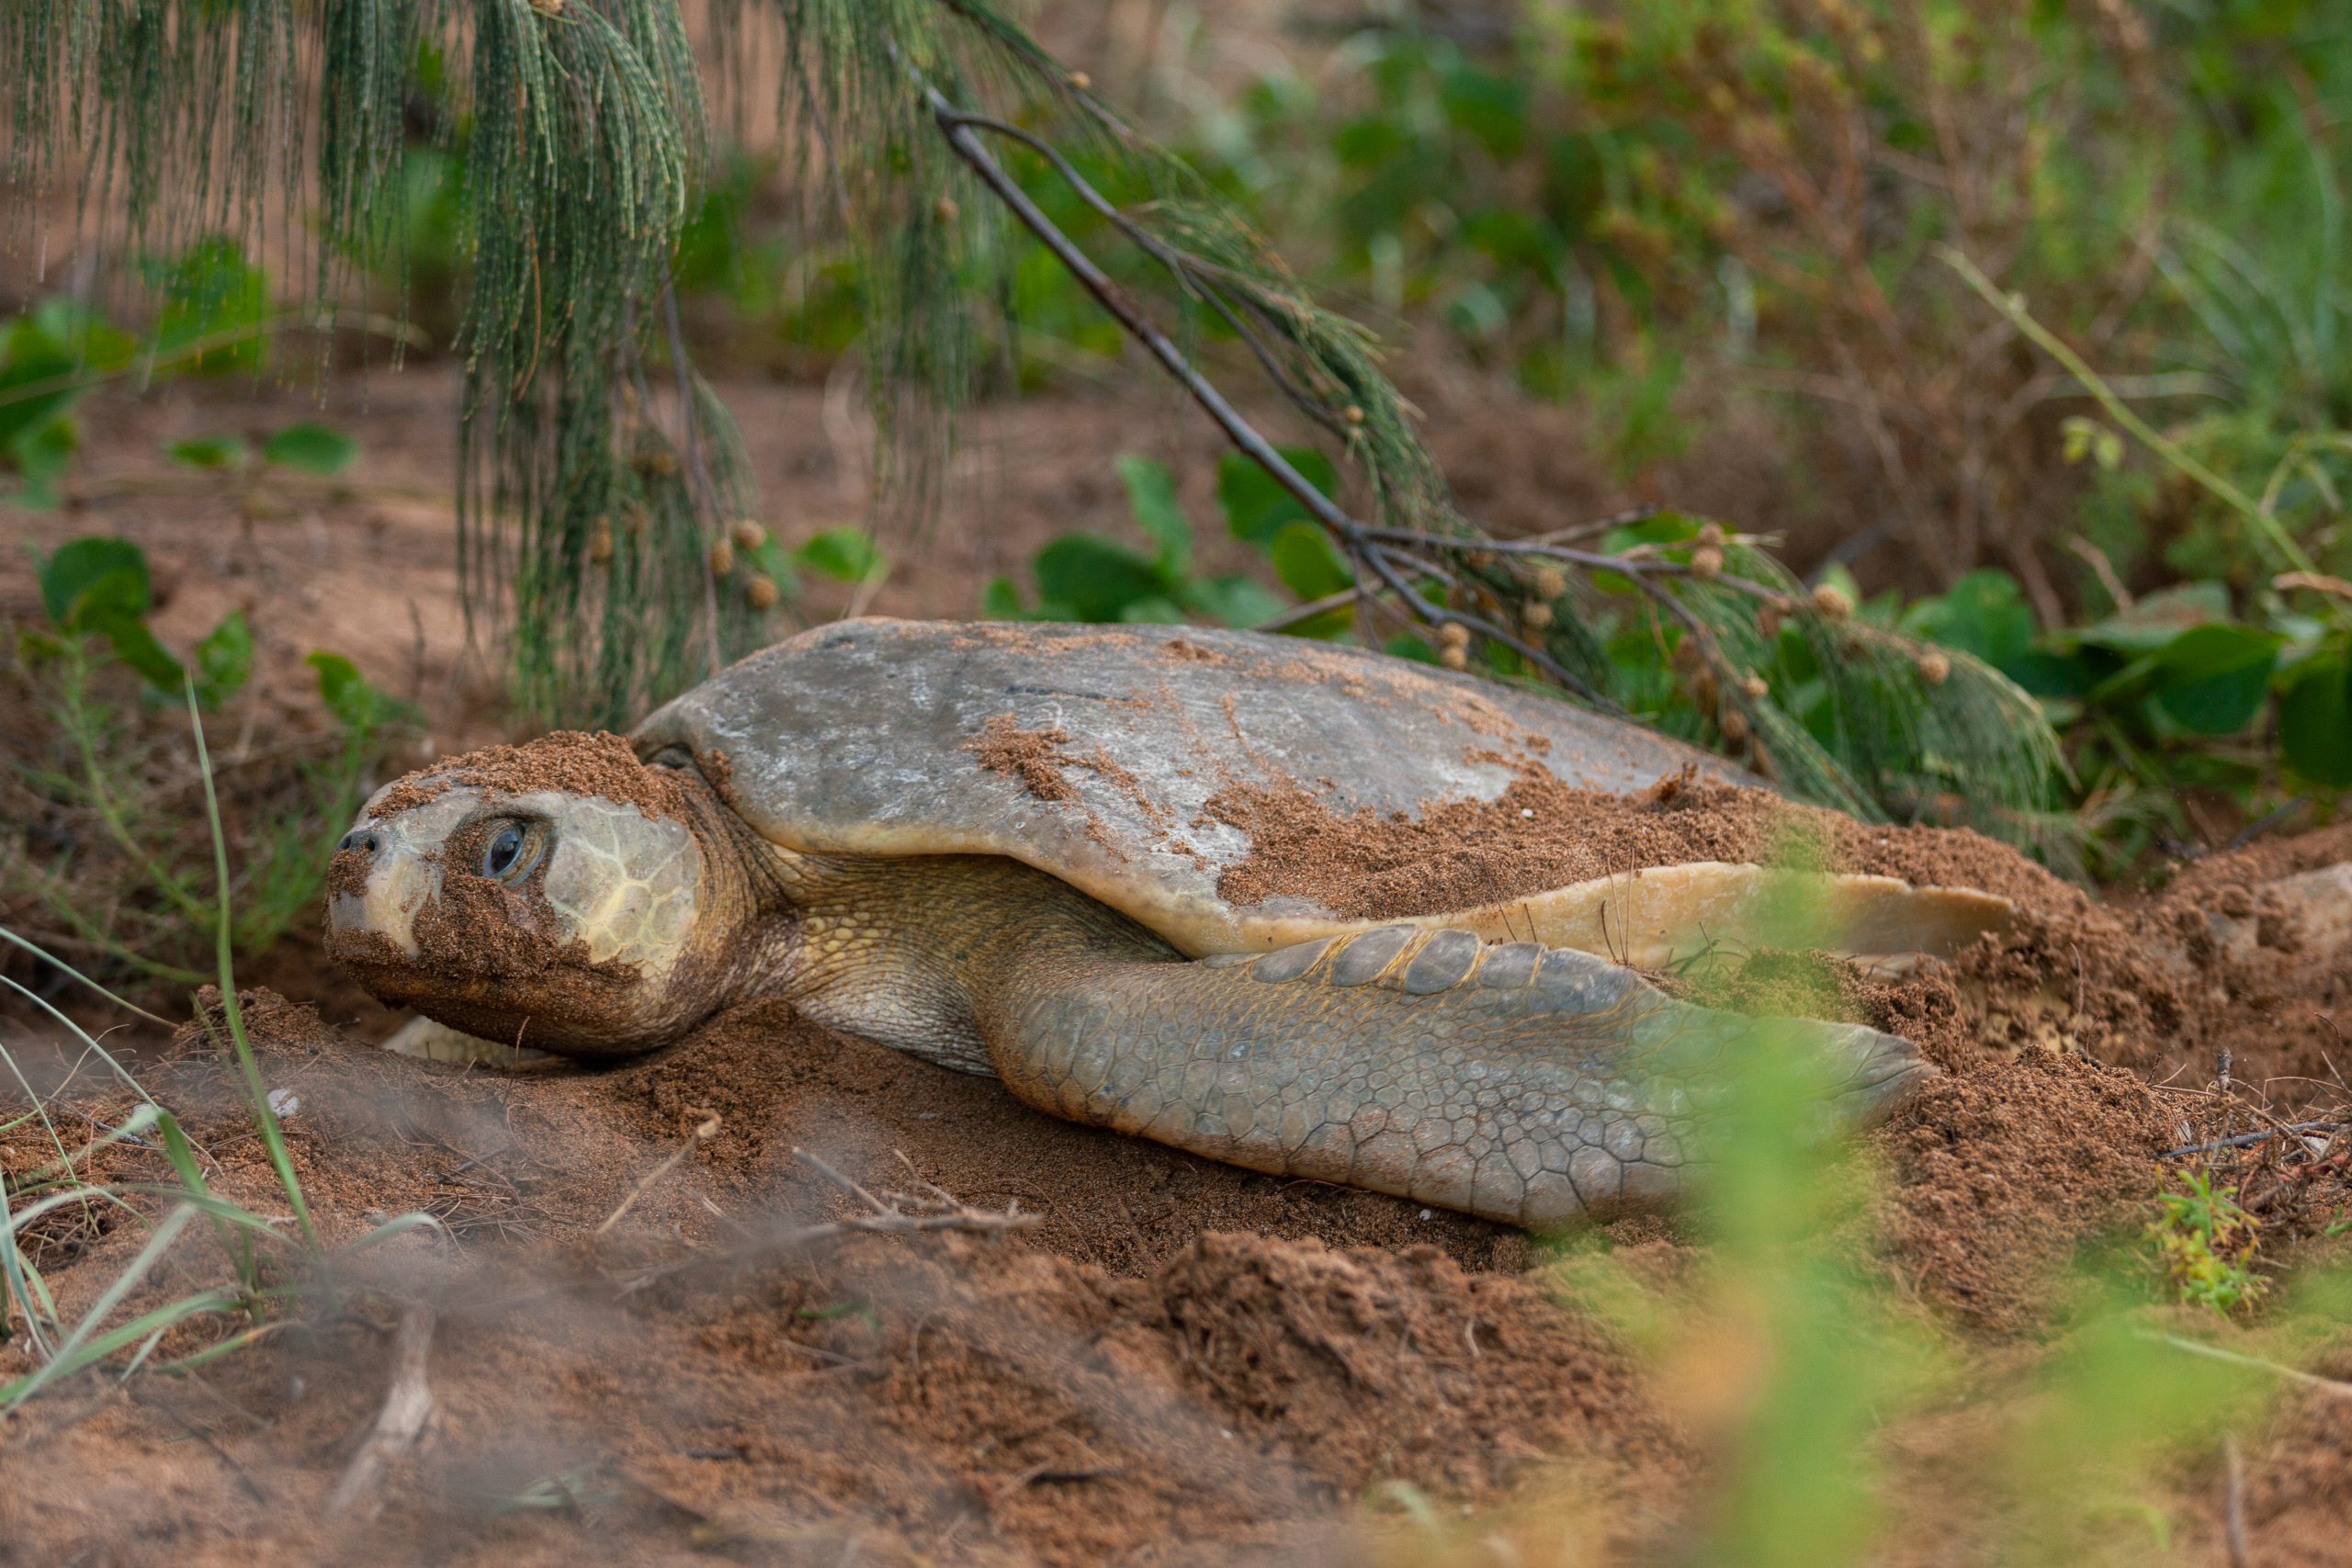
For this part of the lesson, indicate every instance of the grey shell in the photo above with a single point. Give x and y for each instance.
(859, 738)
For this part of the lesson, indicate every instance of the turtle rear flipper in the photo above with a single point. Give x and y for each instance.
(1659, 916)
(1525, 1084)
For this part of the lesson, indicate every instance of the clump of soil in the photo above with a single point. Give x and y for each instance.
(1299, 1340)
(571, 760)
(1540, 834)
(2213, 965)
(2002, 1170)
(1037, 758)
(1033, 757)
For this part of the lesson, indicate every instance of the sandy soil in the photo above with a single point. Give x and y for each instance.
(637, 1354)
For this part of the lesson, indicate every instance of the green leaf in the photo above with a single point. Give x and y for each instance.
(40, 456)
(1675, 528)
(2316, 721)
(136, 646)
(2159, 617)
(1232, 600)
(1153, 610)
(32, 357)
(846, 555)
(1255, 506)
(1985, 613)
(207, 452)
(1492, 109)
(212, 292)
(93, 576)
(1094, 578)
(1000, 600)
(224, 661)
(1306, 563)
(1405, 645)
(312, 449)
(1151, 498)
(2212, 679)
(360, 707)
(98, 587)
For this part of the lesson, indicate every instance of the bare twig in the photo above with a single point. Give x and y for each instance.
(890, 1214)
(2247, 1140)
(2234, 1517)
(2334, 1388)
(408, 1409)
(702, 1133)
(958, 129)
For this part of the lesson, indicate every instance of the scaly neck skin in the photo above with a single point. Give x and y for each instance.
(912, 952)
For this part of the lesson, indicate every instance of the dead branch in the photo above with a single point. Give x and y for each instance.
(408, 1409)
(2234, 1516)
(2247, 1140)
(702, 1135)
(888, 1213)
(2334, 1388)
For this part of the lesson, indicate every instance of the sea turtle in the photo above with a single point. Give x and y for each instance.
(1002, 847)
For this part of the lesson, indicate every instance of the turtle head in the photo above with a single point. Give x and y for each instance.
(562, 895)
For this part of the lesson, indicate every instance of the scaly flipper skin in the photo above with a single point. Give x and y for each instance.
(1528, 1085)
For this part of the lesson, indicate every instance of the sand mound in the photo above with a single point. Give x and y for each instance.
(1132, 1379)
(2002, 1170)
(1540, 834)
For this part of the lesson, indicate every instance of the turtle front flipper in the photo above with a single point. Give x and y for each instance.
(422, 1037)
(1524, 1084)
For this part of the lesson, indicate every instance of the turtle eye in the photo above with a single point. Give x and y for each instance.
(511, 853)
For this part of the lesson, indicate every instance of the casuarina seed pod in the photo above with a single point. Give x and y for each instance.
(722, 559)
(760, 593)
(750, 536)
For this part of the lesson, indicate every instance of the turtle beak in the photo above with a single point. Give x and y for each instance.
(386, 870)
(398, 882)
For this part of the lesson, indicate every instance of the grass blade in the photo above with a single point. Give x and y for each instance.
(80, 1350)
(273, 1136)
(54, 962)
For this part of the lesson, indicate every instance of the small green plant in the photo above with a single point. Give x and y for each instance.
(306, 447)
(2206, 1242)
(259, 1251)
(47, 356)
(105, 854)
(215, 318)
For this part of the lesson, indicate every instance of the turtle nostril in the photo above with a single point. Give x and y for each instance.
(358, 839)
